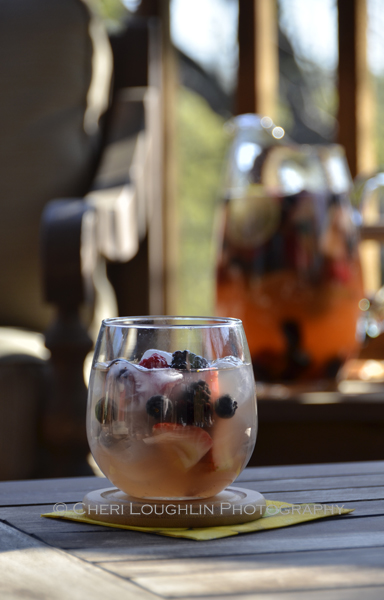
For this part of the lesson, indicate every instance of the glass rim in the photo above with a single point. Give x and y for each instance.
(171, 322)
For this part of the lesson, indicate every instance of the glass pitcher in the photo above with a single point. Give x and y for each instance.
(288, 263)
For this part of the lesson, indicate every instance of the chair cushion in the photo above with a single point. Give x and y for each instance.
(50, 137)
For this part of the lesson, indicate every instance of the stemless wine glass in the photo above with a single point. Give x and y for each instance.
(172, 405)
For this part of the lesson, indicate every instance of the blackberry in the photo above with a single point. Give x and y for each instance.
(193, 405)
(185, 360)
(225, 407)
(159, 407)
(197, 362)
(179, 360)
(199, 391)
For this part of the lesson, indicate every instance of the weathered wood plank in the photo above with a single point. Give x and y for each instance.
(31, 569)
(106, 540)
(329, 534)
(250, 574)
(48, 491)
(366, 508)
(318, 470)
(368, 593)
(73, 489)
(339, 558)
(27, 518)
(318, 483)
(322, 496)
(262, 543)
(69, 490)
(356, 557)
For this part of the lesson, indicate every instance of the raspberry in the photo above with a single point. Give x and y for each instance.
(155, 361)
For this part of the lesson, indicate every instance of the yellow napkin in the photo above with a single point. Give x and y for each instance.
(278, 514)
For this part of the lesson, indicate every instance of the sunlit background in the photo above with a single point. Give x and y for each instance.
(204, 33)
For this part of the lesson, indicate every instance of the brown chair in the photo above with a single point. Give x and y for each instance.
(74, 119)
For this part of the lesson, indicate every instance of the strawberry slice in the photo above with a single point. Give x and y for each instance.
(206, 462)
(184, 444)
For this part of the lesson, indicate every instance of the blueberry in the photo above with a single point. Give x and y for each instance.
(99, 410)
(105, 411)
(225, 407)
(159, 407)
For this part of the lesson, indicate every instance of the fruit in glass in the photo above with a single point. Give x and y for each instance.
(171, 406)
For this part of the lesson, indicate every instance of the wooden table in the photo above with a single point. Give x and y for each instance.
(335, 558)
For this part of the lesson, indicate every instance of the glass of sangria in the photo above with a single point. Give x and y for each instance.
(171, 406)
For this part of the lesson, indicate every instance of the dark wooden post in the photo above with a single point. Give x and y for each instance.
(64, 241)
(258, 74)
(164, 243)
(137, 64)
(356, 114)
(356, 105)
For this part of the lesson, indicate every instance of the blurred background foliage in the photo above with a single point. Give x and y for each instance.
(202, 144)
(113, 12)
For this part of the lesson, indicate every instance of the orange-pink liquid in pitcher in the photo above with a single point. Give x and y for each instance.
(297, 291)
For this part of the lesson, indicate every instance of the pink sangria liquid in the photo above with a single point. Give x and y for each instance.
(162, 429)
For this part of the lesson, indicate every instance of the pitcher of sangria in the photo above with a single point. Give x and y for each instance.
(288, 263)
